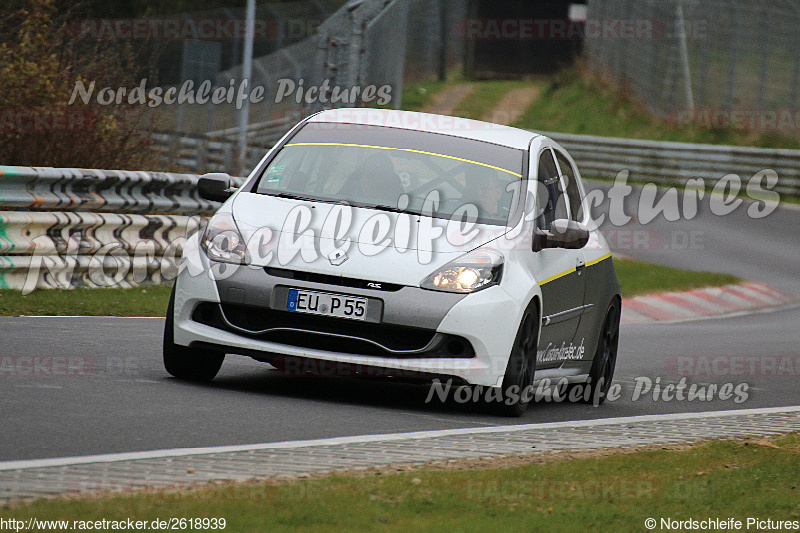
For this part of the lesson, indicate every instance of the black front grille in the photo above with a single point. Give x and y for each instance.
(329, 333)
(332, 280)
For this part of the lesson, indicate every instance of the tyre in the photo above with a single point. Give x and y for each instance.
(183, 362)
(605, 357)
(521, 366)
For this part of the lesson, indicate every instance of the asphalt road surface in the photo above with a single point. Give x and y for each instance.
(96, 385)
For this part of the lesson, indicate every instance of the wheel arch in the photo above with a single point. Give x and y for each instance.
(538, 301)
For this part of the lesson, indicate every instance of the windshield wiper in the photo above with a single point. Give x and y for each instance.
(390, 209)
(293, 196)
(381, 207)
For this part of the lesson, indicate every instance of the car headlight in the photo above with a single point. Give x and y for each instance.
(222, 240)
(469, 273)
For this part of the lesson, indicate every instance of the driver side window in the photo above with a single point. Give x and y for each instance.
(551, 202)
(568, 177)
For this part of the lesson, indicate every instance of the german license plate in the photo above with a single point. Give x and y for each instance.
(323, 303)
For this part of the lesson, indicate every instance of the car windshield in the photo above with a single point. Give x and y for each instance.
(397, 169)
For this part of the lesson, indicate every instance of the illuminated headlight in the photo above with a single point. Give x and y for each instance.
(469, 273)
(222, 240)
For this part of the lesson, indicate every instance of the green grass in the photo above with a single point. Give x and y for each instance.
(577, 103)
(737, 479)
(638, 277)
(573, 101)
(417, 96)
(142, 301)
(635, 278)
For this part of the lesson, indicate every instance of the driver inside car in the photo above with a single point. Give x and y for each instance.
(484, 190)
(376, 181)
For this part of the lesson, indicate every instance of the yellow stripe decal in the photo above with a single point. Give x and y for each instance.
(601, 258)
(551, 278)
(409, 150)
(571, 270)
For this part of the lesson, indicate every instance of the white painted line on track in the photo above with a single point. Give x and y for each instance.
(362, 439)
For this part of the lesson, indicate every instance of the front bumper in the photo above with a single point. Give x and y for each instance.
(417, 332)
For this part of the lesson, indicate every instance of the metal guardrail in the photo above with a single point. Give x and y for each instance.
(673, 163)
(65, 227)
(201, 154)
(218, 151)
(259, 133)
(66, 250)
(118, 191)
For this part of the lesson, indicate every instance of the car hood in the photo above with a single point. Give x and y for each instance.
(349, 241)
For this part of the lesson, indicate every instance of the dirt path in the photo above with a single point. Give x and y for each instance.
(507, 111)
(513, 105)
(447, 101)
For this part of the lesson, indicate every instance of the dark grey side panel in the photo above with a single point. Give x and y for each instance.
(559, 298)
(601, 286)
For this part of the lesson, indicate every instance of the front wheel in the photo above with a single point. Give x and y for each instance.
(517, 390)
(183, 362)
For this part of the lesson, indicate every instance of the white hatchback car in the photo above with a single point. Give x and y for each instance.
(392, 243)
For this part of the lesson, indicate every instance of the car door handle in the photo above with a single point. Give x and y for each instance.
(579, 265)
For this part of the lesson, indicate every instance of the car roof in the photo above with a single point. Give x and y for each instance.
(446, 125)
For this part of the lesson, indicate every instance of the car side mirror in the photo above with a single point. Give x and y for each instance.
(215, 186)
(563, 233)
